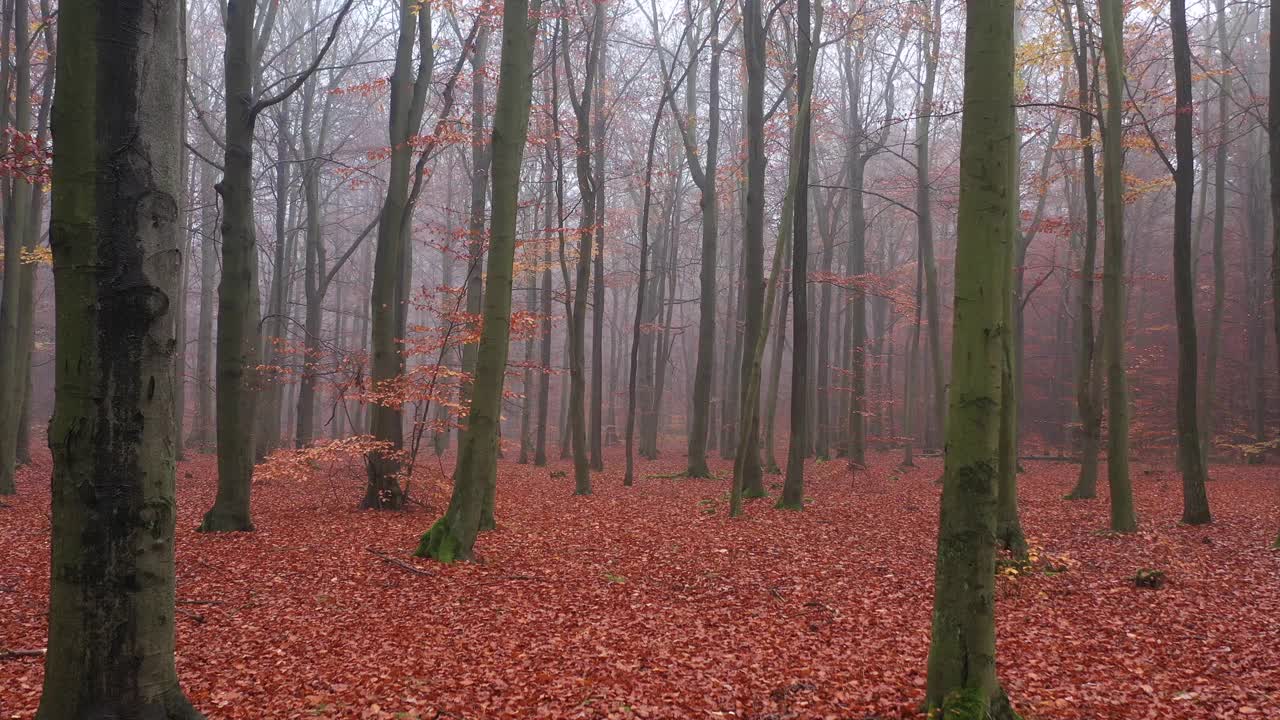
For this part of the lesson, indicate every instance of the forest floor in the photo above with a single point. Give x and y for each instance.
(648, 602)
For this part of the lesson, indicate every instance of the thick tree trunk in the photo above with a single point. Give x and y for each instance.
(114, 232)
(962, 679)
(453, 536)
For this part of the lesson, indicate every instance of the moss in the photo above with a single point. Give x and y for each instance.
(965, 704)
(782, 504)
(754, 493)
(438, 543)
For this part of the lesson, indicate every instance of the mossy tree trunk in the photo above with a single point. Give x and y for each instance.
(962, 652)
(114, 232)
(1123, 518)
(453, 536)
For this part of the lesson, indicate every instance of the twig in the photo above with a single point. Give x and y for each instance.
(11, 654)
(399, 563)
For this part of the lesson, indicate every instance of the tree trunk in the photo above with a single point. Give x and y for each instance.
(924, 220)
(582, 284)
(114, 232)
(793, 484)
(1195, 503)
(1209, 387)
(700, 428)
(453, 536)
(1123, 518)
(597, 304)
(962, 679)
(1087, 372)
(752, 294)
(409, 87)
(18, 275)
(238, 305)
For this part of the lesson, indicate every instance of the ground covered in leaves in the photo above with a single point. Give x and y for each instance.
(648, 602)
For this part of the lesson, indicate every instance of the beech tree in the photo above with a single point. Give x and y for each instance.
(453, 536)
(1123, 518)
(114, 233)
(962, 679)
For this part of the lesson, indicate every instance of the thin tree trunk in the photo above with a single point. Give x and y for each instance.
(1195, 503)
(453, 536)
(18, 276)
(409, 87)
(1123, 518)
(806, 56)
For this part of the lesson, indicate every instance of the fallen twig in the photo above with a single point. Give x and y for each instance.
(11, 654)
(399, 563)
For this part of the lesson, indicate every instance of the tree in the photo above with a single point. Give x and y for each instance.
(582, 105)
(962, 679)
(114, 232)
(453, 536)
(930, 46)
(409, 85)
(17, 274)
(704, 170)
(1195, 503)
(1273, 158)
(752, 293)
(1088, 380)
(806, 54)
(1123, 518)
(238, 304)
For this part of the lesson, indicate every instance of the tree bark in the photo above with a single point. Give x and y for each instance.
(409, 87)
(1123, 518)
(453, 536)
(1195, 503)
(238, 305)
(962, 679)
(114, 232)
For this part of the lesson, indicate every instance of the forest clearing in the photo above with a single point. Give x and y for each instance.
(647, 602)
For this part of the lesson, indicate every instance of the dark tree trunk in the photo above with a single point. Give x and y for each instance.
(114, 232)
